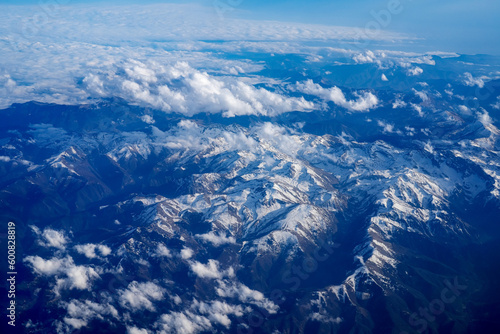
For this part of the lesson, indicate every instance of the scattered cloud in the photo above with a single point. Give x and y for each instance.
(210, 270)
(322, 317)
(365, 101)
(200, 317)
(162, 251)
(496, 105)
(418, 109)
(67, 274)
(398, 104)
(218, 311)
(89, 250)
(429, 148)
(51, 238)
(386, 127)
(140, 296)
(136, 330)
(471, 81)
(364, 58)
(246, 295)
(48, 267)
(80, 313)
(487, 122)
(186, 253)
(464, 110)
(217, 239)
(415, 71)
(148, 119)
(422, 95)
(183, 323)
(78, 277)
(278, 136)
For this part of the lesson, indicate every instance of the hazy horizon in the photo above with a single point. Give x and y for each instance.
(451, 26)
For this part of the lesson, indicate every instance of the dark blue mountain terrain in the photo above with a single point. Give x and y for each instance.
(130, 219)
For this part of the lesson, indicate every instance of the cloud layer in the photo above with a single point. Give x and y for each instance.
(183, 89)
(167, 60)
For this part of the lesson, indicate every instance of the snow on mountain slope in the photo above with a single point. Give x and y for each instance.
(264, 218)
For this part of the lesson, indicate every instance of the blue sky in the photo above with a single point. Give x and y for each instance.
(455, 25)
(448, 25)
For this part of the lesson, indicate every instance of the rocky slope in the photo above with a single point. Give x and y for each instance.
(133, 219)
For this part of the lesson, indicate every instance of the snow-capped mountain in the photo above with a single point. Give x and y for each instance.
(331, 221)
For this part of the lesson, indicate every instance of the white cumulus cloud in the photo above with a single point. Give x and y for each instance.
(471, 81)
(140, 296)
(364, 102)
(51, 238)
(68, 275)
(246, 295)
(80, 313)
(415, 71)
(162, 251)
(183, 89)
(217, 239)
(209, 270)
(89, 250)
